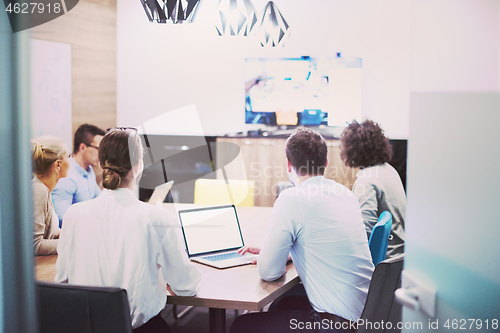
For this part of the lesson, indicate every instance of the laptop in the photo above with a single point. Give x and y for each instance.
(160, 193)
(213, 236)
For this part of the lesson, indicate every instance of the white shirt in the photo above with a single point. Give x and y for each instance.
(116, 240)
(319, 222)
(378, 189)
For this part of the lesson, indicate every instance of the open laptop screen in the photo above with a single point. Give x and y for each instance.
(160, 193)
(211, 229)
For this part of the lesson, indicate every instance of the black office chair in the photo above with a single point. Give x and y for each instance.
(380, 303)
(64, 308)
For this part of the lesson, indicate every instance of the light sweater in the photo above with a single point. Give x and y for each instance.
(44, 219)
(378, 189)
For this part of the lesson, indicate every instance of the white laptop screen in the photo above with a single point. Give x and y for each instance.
(211, 229)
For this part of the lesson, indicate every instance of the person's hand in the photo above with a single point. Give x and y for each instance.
(250, 249)
(56, 234)
(170, 290)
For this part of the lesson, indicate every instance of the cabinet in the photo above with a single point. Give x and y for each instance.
(336, 168)
(259, 159)
(263, 160)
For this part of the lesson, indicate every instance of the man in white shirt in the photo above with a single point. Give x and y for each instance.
(80, 184)
(319, 223)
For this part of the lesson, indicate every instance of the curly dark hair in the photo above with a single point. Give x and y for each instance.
(364, 145)
(307, 151)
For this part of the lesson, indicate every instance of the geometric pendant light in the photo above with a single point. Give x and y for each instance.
(170, 11)
(273, 30)
(235, 18)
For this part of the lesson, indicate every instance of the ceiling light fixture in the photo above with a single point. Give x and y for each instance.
(236, 18)
(273, 30)
(170, 11)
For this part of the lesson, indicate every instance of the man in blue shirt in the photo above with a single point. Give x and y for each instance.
(80, 184)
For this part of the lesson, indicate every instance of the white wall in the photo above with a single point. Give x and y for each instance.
(454, 45)
(452, 223)
(164, 67)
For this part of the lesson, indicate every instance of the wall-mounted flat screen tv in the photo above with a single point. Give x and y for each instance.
(303, 91)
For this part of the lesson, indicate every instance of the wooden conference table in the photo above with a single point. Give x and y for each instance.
(233, 288)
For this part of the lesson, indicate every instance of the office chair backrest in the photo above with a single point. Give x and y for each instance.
(211, 192)
(380, 304)
(64, 308)
(379, 238)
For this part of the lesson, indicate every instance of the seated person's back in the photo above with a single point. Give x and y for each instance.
(327, 244)
(319, 223)
(116, 240)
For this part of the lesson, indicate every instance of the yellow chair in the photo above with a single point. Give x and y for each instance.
(216, 192)
(286, 116)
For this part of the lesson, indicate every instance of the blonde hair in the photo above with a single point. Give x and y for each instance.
(45, 151)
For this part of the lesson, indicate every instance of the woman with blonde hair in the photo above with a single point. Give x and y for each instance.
(50, 159)
(115, 240)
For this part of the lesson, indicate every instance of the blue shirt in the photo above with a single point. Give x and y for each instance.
(79, 185)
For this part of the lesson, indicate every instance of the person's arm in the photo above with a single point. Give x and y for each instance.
(367, 198)
(63, 196)
(179, 273)
(96, 189)
(284, 226)
(64, 249)
(41, 217)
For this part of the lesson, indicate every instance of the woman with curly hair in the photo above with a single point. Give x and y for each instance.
(378, 186)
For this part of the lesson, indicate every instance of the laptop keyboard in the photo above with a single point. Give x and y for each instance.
(223, 256)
